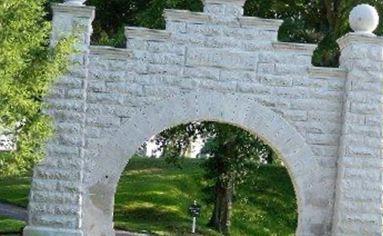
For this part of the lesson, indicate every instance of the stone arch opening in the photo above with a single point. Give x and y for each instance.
(242, 111)
(154, 192)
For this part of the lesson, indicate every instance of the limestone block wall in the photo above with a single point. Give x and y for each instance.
(222, 66)
(199, 53)
(359, 191)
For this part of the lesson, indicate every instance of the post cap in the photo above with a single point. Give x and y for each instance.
(364, 19)
(75, 2)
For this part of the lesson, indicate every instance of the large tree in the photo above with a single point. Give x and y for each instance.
(231, 155)
(27, 68)
(234, 154)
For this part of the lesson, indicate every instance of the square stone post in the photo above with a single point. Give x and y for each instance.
(359, 191)
(55, 205)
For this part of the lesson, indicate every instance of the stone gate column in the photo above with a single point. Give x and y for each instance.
(56, 192)
(358, 208)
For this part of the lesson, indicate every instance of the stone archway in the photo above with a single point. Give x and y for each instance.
(242, 111)
(214, 65)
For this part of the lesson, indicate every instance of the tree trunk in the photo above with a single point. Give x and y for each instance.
(221, 217)
(214, 221)
(270, 158)
(227, 206)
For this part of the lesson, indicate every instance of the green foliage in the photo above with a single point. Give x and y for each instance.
(114, 15)
(15, 189)
(10, 225)
(233, 154)
(267, 205)
(312, 21)
(154, 195)
(27, 68)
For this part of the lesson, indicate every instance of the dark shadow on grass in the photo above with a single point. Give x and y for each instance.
(149, 214)
(157, 200)
(15, 190)
(160, 199)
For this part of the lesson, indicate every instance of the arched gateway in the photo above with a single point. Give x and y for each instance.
(217, 65)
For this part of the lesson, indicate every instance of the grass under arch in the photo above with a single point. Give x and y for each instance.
(10, 225)
(153, 196)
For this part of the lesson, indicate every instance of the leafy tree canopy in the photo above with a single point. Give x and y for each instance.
(27, 68)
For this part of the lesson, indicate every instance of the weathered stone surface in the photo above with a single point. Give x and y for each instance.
(326, 123)
(359, 192)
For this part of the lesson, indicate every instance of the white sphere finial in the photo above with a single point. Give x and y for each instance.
(74, 2)
(364, 19)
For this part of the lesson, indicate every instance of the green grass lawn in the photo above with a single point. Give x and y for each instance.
(153, 196)
(15, 190)
(10, 225)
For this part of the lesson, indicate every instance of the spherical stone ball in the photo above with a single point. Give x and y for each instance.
(75, 2)
(364, 19)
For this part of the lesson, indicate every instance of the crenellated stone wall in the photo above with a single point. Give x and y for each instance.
(216, 65)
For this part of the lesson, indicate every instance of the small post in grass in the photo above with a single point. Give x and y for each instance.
(194, 210)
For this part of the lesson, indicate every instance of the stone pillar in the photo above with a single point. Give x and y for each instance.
(55, 205)
(359, 191)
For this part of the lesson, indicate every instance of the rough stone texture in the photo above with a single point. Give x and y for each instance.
(55, 205)
(220, 66)
(358, 208)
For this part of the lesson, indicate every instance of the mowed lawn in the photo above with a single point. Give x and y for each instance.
(10, 225)
(154, 196)
(13, 190)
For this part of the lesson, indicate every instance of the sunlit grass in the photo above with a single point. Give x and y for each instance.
(10, 225)
(154, 196)
(15, 190)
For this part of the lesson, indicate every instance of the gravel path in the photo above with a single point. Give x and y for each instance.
(14, 212)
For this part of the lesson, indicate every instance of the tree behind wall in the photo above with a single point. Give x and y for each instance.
(232, 155)
(27, 68)
(113, 15)
(312, 21)
(305, 21)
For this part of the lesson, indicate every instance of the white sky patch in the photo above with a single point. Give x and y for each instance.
(152, 148)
